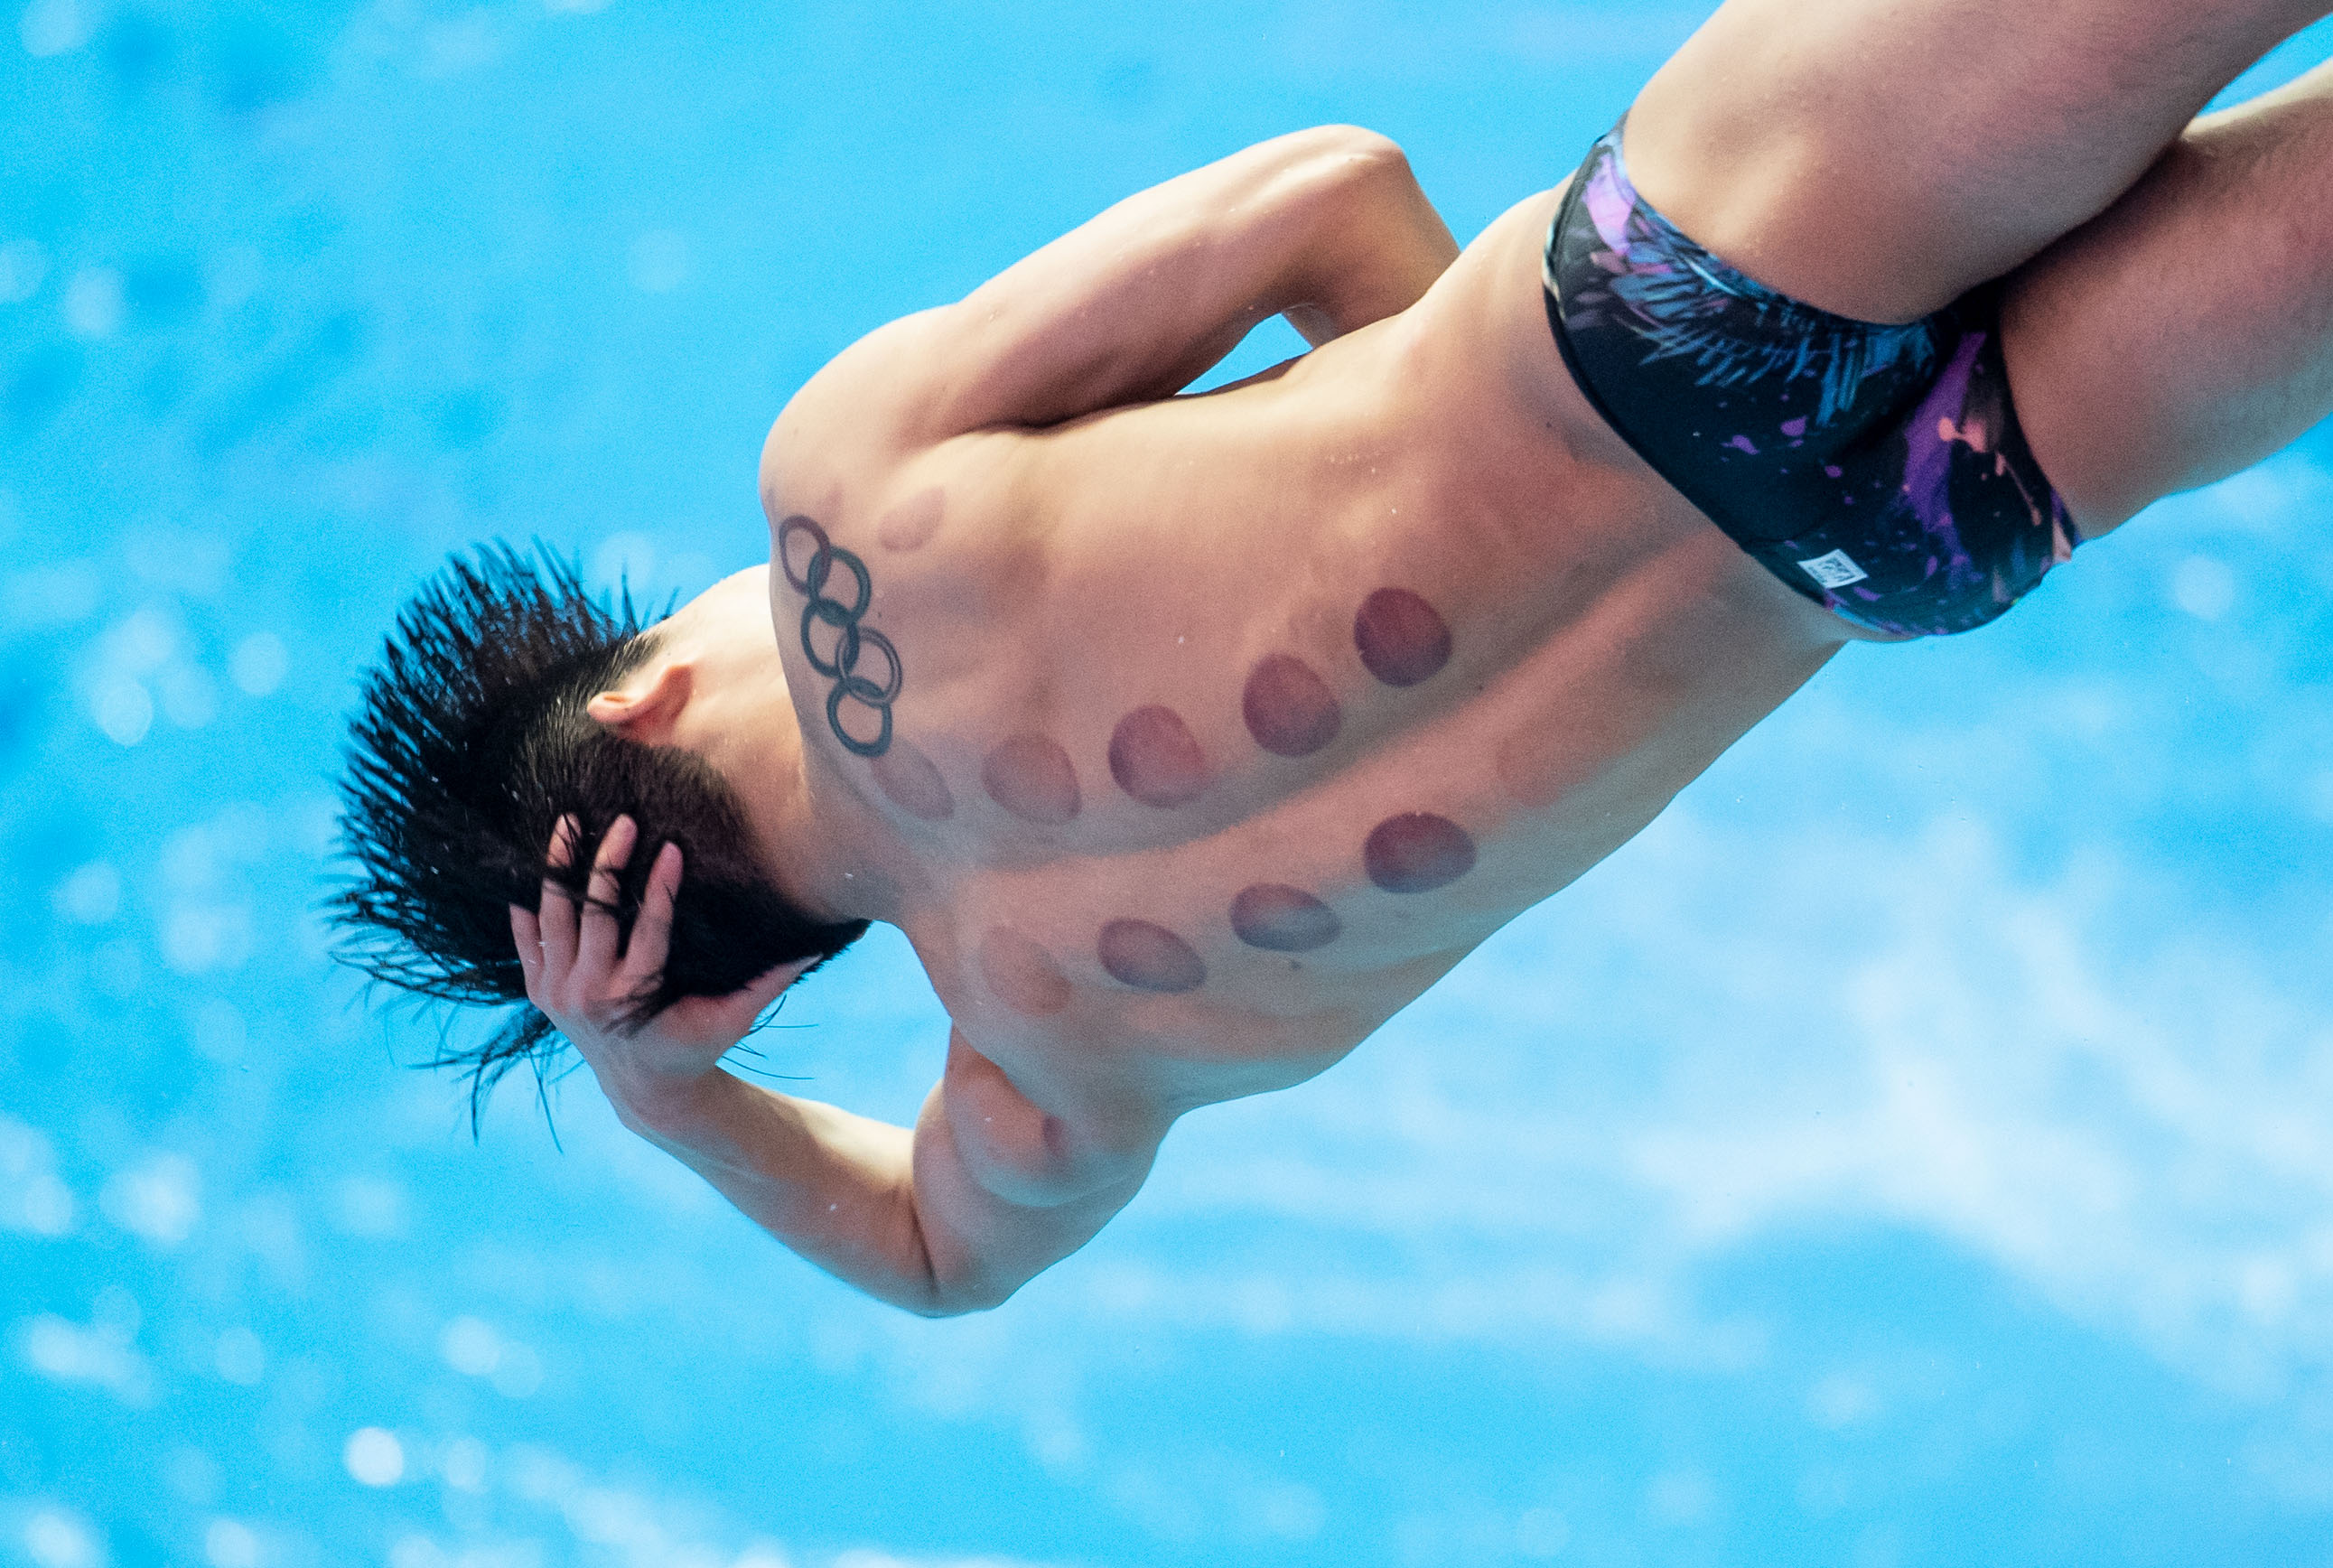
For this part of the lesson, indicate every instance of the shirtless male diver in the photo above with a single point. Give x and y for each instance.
(1188, 738)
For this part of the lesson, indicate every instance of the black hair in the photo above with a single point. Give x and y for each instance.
(470, 742)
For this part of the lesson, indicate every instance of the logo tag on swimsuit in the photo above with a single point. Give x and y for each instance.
(1836, 570)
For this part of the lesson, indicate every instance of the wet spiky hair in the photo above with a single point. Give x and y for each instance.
(470, 742)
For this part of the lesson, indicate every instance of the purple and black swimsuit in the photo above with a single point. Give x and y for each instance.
(1879, 470)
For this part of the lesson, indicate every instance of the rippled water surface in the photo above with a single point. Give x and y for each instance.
(1916, 1148)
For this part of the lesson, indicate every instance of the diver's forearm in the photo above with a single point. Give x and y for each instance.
(835, 1188)
(893, 1212)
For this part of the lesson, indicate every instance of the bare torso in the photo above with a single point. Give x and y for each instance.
(1230, 722)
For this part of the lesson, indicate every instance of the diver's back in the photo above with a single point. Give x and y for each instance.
(1229, 723)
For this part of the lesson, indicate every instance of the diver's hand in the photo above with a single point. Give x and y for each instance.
(585, 987)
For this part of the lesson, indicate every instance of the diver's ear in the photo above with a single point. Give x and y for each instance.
(649, 707)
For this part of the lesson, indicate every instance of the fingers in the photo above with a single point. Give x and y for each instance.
(652, 926)
(558, 927)
(595, 953)
(569, 949)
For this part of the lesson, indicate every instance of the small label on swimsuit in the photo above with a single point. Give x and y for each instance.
(1836, 570)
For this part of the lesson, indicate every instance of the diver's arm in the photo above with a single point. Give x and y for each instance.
(899, 1213)
(1327, 226)
(983, 1194)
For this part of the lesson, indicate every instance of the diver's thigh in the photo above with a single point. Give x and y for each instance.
(2187, 333)
(1878, 158)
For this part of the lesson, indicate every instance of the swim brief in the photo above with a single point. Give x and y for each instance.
(1878, 469)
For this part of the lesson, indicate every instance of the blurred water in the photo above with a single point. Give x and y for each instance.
(1916, 1148)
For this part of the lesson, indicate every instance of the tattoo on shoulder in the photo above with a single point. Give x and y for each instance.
(846, 642)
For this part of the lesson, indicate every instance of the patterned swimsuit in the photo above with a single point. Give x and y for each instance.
(1879, 471)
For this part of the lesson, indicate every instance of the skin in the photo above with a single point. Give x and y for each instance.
(1226, 725)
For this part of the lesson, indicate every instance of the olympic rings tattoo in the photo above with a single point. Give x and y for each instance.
(840, 663)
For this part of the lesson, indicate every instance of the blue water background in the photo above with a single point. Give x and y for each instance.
(1916, 1148)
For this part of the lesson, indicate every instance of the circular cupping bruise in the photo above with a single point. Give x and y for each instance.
(1401, 637)
(1022, 975)
(1288, 710)
(910, 525)
(1155, 759)
(1033, 778)
(1417, 852)
(914, 784)
(1283, 920)
(1149, 957)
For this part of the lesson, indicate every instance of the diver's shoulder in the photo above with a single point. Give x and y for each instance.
(871, 405)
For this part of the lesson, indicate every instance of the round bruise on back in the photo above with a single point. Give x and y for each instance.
(1279, 919)
(1417, 852)
(1155, 759)
(1401, 637)
(1149, 957)
(913, 521)
(1022, 975)
(1288, 710)
(1031, 777)
(914, 784)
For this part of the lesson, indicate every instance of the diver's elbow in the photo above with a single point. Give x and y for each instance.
(957, 1299)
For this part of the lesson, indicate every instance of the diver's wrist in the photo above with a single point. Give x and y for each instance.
(665, 1106)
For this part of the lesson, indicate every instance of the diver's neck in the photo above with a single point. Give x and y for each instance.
(813, 836)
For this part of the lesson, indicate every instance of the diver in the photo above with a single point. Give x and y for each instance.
(1187, 738)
